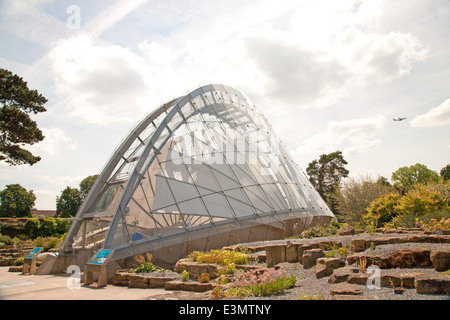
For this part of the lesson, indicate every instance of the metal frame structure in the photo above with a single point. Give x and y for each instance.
(202, 171)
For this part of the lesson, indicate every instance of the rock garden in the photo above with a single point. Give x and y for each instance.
(408, 264)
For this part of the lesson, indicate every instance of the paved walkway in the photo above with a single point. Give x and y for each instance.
(15, 286)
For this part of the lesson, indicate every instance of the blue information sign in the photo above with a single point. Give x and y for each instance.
(101, 256)
(34, 252)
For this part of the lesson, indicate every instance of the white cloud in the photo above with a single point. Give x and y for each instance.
(24, 19)
(439, 116)
(318, 75)
(45, 199)
(109, 17)
(100, 83)
(351, 137)
(54, 142)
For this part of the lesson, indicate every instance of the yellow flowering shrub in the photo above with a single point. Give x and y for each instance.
(223, 257)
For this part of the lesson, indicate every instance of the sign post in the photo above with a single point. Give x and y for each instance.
(98, 264)
(29, 262)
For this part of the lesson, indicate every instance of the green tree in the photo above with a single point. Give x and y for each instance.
(68, 203)
(16, 127)
(354, 197)
(406, 178)
(86, 185)
(326, 173)
(16, 201)
(445, 172)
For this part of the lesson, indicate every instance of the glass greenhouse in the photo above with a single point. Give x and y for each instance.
(200, 172)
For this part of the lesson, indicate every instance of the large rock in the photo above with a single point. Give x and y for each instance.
(160, 282)
(353, 297)
(326, 266)
(440, 259)
(121, 278)
(345, 288)
(388, 240)
(401, 258)
(306, 247)
(292, 252)
(341, 275)
(358, 245)
(310, 257)
(189, 286)
(432, 284)
(429, 238)
(137, 281)
(195, 269)
(275, 254)
(5, 262)
(418, 257)
(387, 278)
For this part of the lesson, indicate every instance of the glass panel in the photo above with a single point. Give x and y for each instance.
(258, 199)
(193, 207)
(108, 199)
(203, 178)
(163, 194)
(239, 203)
(217, 205)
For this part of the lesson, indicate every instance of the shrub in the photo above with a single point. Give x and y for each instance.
(146, 267)
(355, 195)
(62, 226)
(19, 261)
(420, 200)
(385, 206)
(5, 239)
(32, 227)
(319, 231)
(48, 227)
(223, 257)
(47, 242)
(204, 278)
(185, 275)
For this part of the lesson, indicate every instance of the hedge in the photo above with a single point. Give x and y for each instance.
(33, 228)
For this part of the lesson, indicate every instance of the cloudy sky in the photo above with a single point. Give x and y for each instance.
(329, 75)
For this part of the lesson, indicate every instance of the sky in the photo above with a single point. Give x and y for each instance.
(328, 75)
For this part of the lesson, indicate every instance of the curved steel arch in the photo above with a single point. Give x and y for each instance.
(274, 222)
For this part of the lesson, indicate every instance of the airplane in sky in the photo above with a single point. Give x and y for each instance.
(398, 119)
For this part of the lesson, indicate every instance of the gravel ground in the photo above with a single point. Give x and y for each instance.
(308, 286)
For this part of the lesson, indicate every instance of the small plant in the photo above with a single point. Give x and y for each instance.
(146, 267)
(435, 225)
(19, 261)
(332, 252)
(446, 273)
(141, 259)
(362, 263)
(343, 251)
(317, 296)
(204, 278)
(256, 284)
(185, 275)
(319, 231)
(398, 290)
(222, 279)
